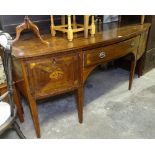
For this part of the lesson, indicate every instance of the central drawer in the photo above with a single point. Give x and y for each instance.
(107, 53)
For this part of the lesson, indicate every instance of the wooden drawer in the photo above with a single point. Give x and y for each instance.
(53, 75)
(103, 54)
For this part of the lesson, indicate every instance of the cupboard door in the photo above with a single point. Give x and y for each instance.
(53, 74)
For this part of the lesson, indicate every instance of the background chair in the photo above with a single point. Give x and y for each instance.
(71, 28)
(8, 110)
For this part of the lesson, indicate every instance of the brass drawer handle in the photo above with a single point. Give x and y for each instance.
(102, 55)
(54, 61)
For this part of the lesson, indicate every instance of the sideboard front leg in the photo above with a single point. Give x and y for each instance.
(132, 71)
(80, 99)
(31, 101)
(34, 114)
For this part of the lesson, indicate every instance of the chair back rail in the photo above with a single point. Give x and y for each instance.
(6, 59)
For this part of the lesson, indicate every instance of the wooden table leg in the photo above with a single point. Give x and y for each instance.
(86, 25)
(31, 102)
(20, 112)
(80, 97)
(132, 71)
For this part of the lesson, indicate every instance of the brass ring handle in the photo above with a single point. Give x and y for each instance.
(102, 55)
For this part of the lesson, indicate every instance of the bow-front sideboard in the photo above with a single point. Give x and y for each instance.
(62, 66)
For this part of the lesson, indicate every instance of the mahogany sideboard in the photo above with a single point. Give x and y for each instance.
(62, 66)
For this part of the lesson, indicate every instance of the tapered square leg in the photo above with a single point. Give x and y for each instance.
(16, 97)
(80, 100)
(34, 115)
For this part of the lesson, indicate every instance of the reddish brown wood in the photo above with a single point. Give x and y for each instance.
(31, 101)
(51, 74)
(28, 24)
(94, 56)
(64, 66)
(80, 91)
(80, 97)
(28, 48)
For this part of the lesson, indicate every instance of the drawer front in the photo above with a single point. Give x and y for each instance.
(53, 75)
(103, 54)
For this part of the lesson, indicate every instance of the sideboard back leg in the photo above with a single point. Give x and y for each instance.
(132, 71)
(20, 111)
(140, 66)
(80, 100)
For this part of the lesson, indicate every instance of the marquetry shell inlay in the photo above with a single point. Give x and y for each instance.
(57, 74)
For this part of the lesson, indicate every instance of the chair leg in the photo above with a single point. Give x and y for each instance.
(74, 22)
(17, 129)
(142, 19)
(92, 27)
(63, 22)
(70, 30)
(53, 32)
(86, 25)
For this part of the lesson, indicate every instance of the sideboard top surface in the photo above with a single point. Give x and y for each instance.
(32, 47)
